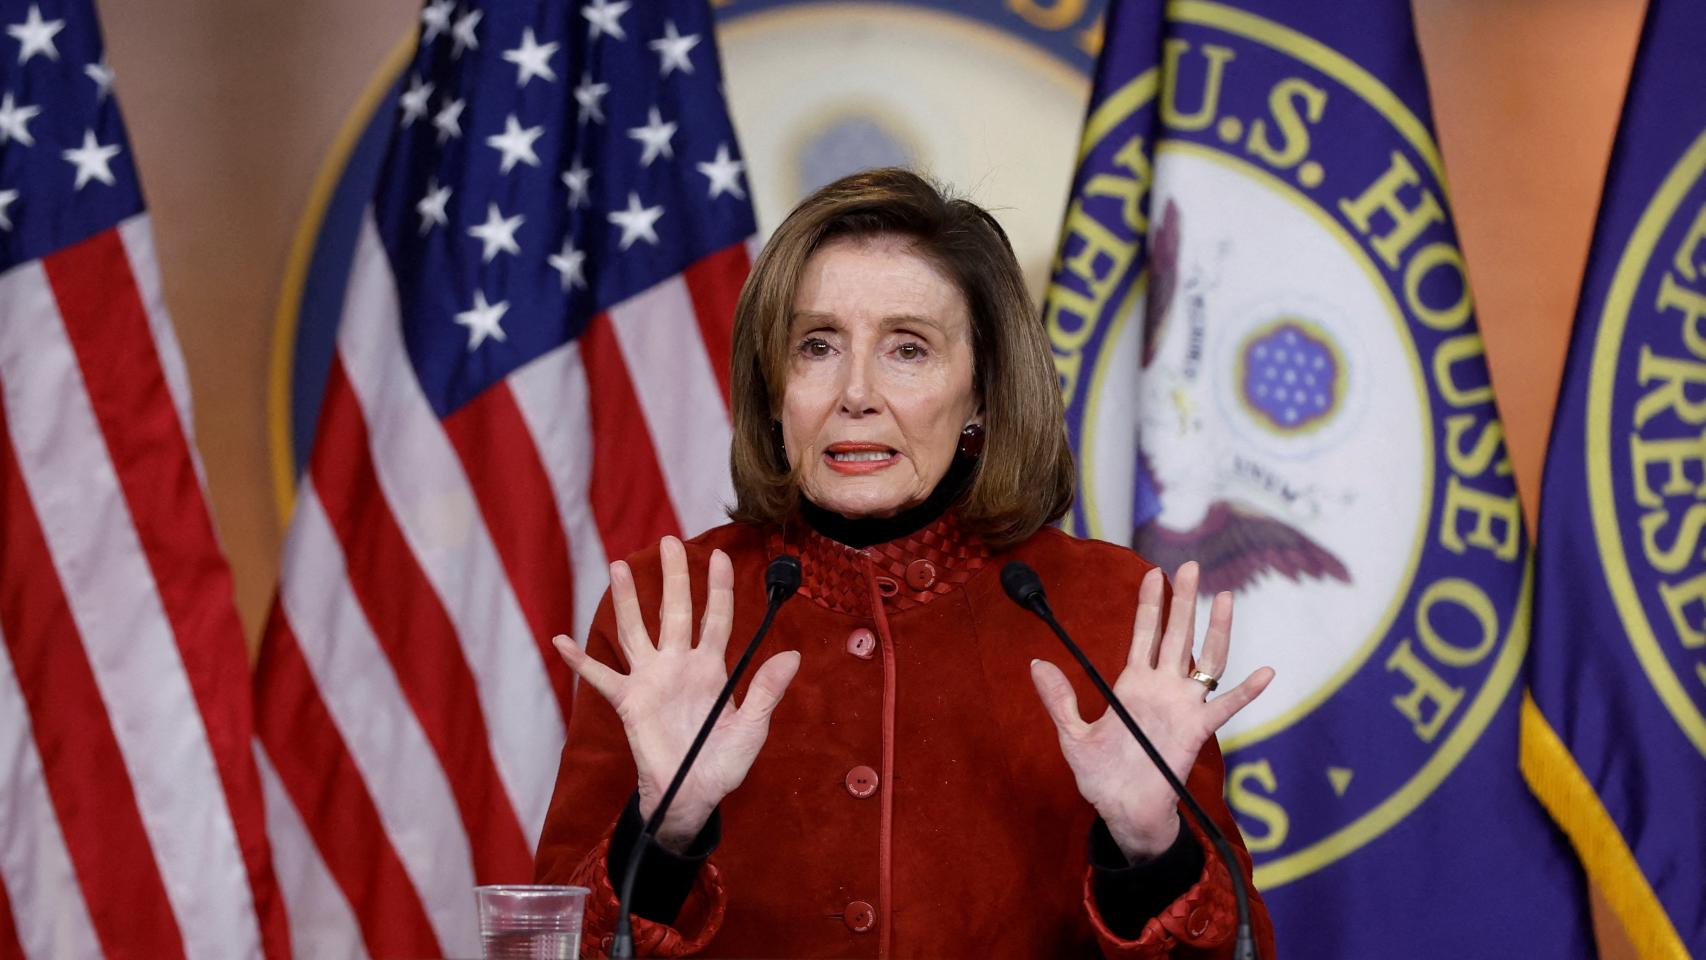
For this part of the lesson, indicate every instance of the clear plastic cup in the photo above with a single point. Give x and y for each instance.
(530, 922)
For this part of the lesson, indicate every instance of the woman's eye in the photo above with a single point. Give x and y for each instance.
(910, 351)
(814, 347)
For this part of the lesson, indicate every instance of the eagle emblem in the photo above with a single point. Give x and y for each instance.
(1288, 377)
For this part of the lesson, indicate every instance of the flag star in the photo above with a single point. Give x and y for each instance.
(448, 120)
(570, 263)
(7, 198)
(14, 121)
(414, 100)
(532, 59)
(576, 178)
(606, 17)
(94, 161)
(497, 233)
(35, 35)
(673, 49)
(483, 320)
(516, 144)
(655, 136)
(463, 33)
(103, 77)
(435, 20)
(432, 206)
(724, 173)
(591, 98)
(637, 221)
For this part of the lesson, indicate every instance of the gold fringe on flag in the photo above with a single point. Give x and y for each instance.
(1552, 774)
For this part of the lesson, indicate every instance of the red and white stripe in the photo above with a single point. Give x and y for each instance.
(411, 711)
(132, 822)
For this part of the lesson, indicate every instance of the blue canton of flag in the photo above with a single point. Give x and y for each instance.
(1614, 739)
(1268, 351)
(530, 379)
(513, 214)
(65, 167)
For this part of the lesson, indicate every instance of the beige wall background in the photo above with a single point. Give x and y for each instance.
(232, 104)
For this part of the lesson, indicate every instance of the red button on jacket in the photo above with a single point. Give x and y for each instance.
(859, 916)
(862, 643)
(920, 574)
(861, 781)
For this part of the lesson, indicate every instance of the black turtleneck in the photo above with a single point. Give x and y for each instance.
(1127, 895)
(861, 532)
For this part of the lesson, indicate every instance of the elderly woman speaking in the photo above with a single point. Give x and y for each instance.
(897, 426)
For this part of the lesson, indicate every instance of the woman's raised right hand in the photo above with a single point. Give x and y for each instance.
(672, 684)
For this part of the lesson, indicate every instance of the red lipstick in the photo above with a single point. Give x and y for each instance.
(857, 458)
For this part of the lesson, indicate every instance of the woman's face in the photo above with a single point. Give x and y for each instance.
(879, 376)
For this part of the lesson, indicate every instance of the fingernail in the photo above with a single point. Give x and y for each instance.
(1035, 661)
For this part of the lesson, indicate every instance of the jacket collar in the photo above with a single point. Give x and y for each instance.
(905, 573)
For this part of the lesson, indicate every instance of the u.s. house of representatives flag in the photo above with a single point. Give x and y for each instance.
(1615, 739)
(130, 809)
(530, 378)
(1264, 333)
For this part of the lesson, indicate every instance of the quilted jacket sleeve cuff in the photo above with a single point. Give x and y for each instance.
(666, 877)
(700, 918)
(1203, 918)
(1128, 894)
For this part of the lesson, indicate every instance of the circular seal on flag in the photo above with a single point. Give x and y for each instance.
(1646, 449)
(1298, 368)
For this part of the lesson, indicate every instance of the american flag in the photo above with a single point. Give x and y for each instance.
(130, 808)
(530, 379)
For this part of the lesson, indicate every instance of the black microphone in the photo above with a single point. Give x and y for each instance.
(781, 580)
(1025, 588)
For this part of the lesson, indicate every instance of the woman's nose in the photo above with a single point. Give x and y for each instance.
(859, 396)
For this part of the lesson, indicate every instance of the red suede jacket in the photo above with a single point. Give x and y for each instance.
(915, 675)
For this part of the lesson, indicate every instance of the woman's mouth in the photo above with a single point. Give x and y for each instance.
(859, 458)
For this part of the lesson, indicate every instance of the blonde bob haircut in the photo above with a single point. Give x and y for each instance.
(1025, 476)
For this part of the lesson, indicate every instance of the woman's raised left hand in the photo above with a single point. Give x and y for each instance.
(1112, 772)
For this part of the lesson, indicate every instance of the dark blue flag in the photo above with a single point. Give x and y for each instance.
(1615, 739)
(1271, 364)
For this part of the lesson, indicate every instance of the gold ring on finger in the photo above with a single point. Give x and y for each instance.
(1206, 679)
